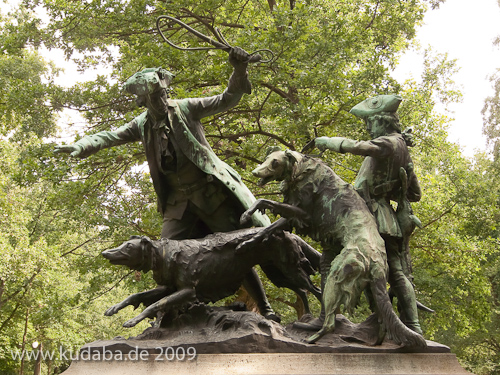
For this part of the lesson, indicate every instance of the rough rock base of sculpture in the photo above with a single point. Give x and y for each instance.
(242, 342)
(213, 330)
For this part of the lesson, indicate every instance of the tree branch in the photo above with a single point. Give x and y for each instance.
(234, 137)
(96, 107)
(288, 96)
(77, 247)
(25, 287)
(374, 15)
(440, 216)
(106, 291)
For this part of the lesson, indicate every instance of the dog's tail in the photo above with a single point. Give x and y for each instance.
(398, 332)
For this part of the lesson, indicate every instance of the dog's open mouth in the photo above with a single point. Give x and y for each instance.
(114, 257)
(264, 180)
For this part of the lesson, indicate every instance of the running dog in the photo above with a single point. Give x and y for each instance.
(318, 203)
(209, 269)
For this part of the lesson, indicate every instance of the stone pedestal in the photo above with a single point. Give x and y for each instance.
(228, 342)
(279, 364)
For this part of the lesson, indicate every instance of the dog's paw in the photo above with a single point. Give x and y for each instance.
(131, 323)
(112, 310)
(245, 217)
(272, 316)
(313, 339)
(262, 210)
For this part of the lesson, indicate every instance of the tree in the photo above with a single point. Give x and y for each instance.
(42, 289)
(328, 57)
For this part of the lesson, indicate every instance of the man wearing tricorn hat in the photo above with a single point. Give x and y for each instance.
(197, 192)
(378, 182)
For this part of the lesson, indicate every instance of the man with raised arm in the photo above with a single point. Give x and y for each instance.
(198, 193)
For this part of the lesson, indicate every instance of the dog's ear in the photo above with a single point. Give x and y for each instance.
(291, 157)
(134, 237)
(272, 149)
(145, 239)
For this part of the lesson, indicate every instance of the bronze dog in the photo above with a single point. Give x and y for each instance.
(209, 269)
(326, 208)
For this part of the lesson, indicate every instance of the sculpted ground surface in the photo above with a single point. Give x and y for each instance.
(223, 330)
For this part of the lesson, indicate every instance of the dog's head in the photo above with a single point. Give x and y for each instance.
(278, 166)
(134, 253)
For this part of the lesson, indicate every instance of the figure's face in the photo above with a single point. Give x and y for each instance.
(157, 102)
(140, 100)
(375, 127)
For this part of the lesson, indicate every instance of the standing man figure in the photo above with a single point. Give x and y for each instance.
(378, 182)
(198, 193)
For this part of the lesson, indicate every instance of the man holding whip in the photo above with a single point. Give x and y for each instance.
(198, 193)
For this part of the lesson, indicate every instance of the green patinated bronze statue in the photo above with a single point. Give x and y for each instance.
(198, 194)
(318, 203)
(386, 167)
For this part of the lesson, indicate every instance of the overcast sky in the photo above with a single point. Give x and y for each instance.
(465, 29)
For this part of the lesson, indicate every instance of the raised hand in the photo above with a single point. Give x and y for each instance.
(239, 58)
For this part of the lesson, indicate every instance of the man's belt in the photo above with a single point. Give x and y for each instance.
(384, 188)
(190, 188)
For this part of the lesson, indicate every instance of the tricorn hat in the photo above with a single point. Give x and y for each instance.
(377, 104)
(148, 81)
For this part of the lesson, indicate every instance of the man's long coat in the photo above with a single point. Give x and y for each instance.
(184, 117)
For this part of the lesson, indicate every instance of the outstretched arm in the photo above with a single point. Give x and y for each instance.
(373, 148)
(237, 86)
(90, 144)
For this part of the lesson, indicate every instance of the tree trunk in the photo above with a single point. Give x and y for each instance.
(23, 346)
(38, 363)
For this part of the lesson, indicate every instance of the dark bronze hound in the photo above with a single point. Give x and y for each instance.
(209, 269)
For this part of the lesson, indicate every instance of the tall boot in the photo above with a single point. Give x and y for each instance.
(255, 289)
(407, 305)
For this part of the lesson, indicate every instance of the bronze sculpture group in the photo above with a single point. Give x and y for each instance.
(205, 253)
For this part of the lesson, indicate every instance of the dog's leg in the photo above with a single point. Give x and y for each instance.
(180, 297)
(328, 326)
(263, 234)
(312, 255)
(289, 211)
(283, 209)
(331, 301)
(260, 204)
(136, 299)
(303, 296)
(303, 283)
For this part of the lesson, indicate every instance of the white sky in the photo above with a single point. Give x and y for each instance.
(465, 29)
